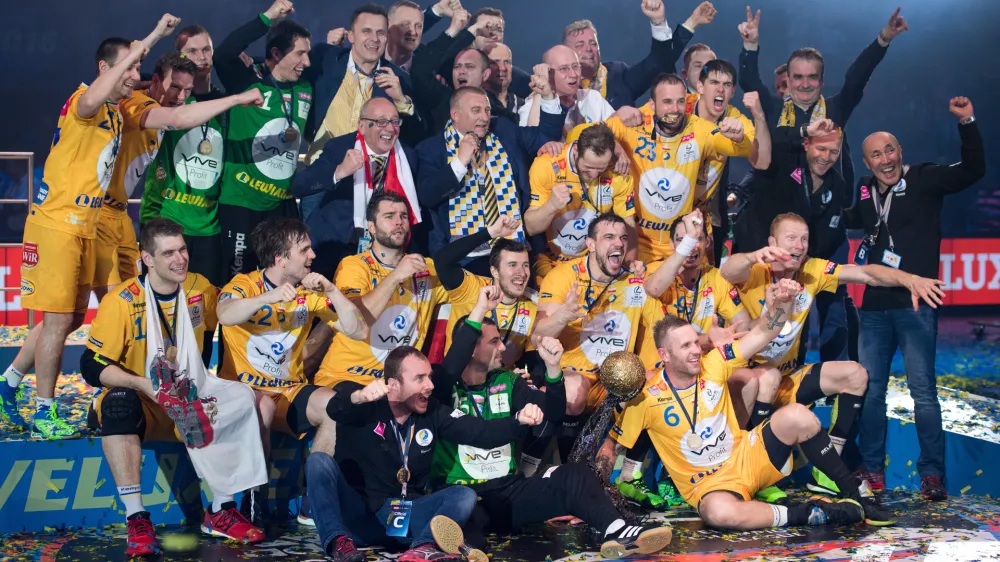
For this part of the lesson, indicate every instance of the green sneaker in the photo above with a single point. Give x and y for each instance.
(48, 425)
(9, 398)
(771, 494)
(637, 491)
(822, 484)
(669, 492)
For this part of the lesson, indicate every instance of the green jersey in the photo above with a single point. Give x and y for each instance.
(183, 184)
(262, 143)
(469, 466)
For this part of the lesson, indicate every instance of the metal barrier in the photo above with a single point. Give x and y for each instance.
(30, 157)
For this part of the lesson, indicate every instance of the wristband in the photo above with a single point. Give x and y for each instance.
(686, 246)
(553, 380)
(265, 19)
(476, 325)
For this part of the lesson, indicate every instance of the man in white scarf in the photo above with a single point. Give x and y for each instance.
(146, 354)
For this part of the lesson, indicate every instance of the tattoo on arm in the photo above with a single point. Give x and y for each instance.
(775, 318)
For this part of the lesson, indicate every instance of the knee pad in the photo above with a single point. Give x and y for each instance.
(121, 413)
(809, 389)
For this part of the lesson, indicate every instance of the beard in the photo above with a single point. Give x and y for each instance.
(387, 241)
(671, 129)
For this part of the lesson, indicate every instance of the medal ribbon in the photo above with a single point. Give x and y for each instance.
(680, 403)
(689, 312)
(404, 452)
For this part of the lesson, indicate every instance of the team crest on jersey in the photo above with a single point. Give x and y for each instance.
(688, 152)
(197, 312)
(424, 437)
(728, 351)
(29, 255)
(125, 295)
(734, 295)
(133, 288)
(635, 296)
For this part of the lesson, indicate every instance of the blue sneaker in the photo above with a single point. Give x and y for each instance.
(9, 398)
(48, 425)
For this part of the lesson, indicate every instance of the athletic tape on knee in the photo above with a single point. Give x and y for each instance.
(121, 413)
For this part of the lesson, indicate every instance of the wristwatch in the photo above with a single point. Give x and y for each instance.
(967, 120)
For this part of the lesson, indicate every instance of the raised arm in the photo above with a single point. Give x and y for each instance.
(663, 278)
(760, 157)
(333, 169)
(861, 70)
(921, 288)
(639, 76)
(946, 180)
(737, 268)
(234, 74)
(192, 115)
(558, 310)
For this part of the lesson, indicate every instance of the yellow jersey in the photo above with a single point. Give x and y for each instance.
(711, 170)
(815, 275)
(138, 149)
(669, 421)
(614, 313)
(406, 320)
(666, 175)
(118, 332)
(515, 321)
(567, 235)
(711, 295)
(265, 352)
(78, 169)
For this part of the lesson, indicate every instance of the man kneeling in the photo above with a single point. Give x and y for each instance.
(127, 410)
(717, 466)
(375, 486)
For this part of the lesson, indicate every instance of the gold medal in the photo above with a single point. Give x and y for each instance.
(204, 147)
(161, 174)
(291, 134)
(693, 441)
(403, 475)
(171, 354)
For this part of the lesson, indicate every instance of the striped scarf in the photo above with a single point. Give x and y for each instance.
(787, 118)
(599, 83)
(469, 208)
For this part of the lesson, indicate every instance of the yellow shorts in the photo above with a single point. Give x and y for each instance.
(159, 426)
(117, 249)
(290, 410)
(57, 270)
(789, 386)
(747, 471)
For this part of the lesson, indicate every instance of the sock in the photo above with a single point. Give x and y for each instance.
(838, 444)
(761, 411)
(631, 469)
(529, 465)
(44, 402)
(13, 376)
(846, 409)
(820, 451)
(131, 496)
(781, 514)
(219, 499)
(614, 526)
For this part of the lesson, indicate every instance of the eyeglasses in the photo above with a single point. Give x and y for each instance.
(383, 123)
(566, 68)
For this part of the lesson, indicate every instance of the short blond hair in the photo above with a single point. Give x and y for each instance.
(794, 217)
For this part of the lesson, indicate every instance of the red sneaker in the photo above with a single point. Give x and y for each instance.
(932, 487)
(141, 536)
(426, 552)
(876, 480)
(229, 523)
(345, 551)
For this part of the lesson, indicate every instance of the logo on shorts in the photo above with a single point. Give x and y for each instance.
(29, 255)
(27, 288)
(424, 437)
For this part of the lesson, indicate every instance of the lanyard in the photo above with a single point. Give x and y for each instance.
(403, 474)
(510, 323)
(583, 185)
(689, 312)
(288, 110)
(586, 297)
(416, 293)
(691, 421)
(170, 329)
(116, 132)
(882, 213)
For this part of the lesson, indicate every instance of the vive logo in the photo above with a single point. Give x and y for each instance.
(610, 326)
(580, 224)
(277, 348)
(400, 322)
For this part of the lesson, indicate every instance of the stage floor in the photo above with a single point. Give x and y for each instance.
(961, 529)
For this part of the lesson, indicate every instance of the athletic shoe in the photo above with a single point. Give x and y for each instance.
(9, 397)
(665, 489)
(876, 480)
(48, 425)
(826, 511)
(822, 484)
(229, 523)
(637, 491)
(772, 494)
(253, 505)
(875, 513)
(345, 551)
(141, 536)
(448, 535)
(933, 488)
(429, 552)
(636, 539)
(305, 512)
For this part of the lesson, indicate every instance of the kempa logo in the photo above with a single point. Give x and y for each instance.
(241, 246)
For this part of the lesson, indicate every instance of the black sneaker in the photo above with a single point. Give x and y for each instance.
(876, 514)
(827, 511)
(932, 488)
(636, 539)
(253, 505)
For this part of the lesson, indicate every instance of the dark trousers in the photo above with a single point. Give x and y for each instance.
(915, 334)
(204, 253)
(237, 223)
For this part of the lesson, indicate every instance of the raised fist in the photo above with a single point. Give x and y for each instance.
(336, 36)
(353, 161)
(960, 107)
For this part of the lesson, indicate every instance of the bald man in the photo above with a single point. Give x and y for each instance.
(562, 66)
(899, 207)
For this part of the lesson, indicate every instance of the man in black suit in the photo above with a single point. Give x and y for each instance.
(350, 169)
(476, 169)
(407, 23)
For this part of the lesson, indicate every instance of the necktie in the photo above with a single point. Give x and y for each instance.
(378, 173)
(489, 193)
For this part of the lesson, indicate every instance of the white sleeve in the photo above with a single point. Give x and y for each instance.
(662, 32)
(524, 112)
